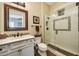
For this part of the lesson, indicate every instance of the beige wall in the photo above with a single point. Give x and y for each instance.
(56, 6)
(45, 12)
(33, 8)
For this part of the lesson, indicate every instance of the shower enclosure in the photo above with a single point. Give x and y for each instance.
(63, 31)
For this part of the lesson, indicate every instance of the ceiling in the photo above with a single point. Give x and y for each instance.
(54, 3)
(51, 3)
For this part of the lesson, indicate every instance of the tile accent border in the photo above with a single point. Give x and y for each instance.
(69, 24)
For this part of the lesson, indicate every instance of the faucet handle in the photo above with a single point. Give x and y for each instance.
(17, 34)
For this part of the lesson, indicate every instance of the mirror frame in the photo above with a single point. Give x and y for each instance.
(6, 18)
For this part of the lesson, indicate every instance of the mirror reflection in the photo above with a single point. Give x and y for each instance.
(15, 19)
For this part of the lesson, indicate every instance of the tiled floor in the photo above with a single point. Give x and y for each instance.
(48, 53)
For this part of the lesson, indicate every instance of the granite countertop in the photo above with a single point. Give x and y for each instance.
(15, 39)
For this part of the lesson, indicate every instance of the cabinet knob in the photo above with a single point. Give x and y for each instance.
(0, 49)
(19, 50)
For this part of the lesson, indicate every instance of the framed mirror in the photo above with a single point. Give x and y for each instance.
(15, 18)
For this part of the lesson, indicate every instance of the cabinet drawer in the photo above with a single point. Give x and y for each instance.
(17, 44)
(3, 48)
(29, 41)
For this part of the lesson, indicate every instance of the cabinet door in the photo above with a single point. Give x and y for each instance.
(28, 51)
(13, 54)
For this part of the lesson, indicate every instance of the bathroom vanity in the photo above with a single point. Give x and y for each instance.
(17, 46)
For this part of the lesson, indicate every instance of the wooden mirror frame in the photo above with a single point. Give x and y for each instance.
(6, 18)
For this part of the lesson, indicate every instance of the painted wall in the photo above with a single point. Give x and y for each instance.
(33, 8)
(45, 12)
(67, 40)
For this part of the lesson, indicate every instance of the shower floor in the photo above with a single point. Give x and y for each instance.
(59, 52)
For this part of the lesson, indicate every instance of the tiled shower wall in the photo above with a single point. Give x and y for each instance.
(67, 40)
